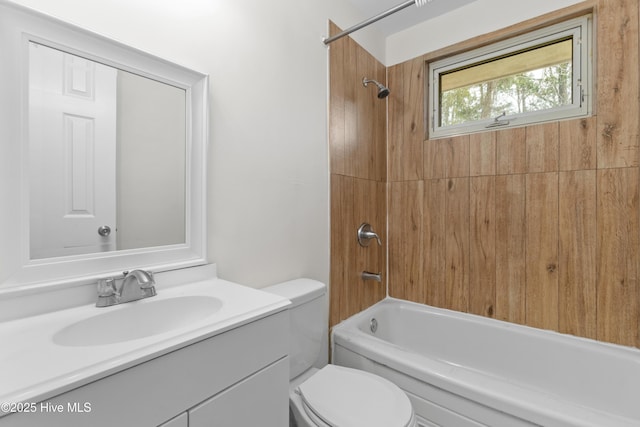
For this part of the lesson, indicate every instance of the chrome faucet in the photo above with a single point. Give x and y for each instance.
(134, 285)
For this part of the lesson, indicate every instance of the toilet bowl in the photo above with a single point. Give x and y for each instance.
(329, 395)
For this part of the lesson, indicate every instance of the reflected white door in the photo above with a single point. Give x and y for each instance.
(72, 151)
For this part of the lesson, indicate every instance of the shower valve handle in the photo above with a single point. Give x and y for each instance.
(365, 234)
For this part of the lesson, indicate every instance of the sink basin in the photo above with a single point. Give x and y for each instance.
(135, 320)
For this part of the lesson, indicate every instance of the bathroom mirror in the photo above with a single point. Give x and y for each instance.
(106, 157)
(103, 154)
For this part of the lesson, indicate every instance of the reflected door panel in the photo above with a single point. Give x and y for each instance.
(72, 145)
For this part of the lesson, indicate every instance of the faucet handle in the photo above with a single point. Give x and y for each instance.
(366, 233)
(150, 283)
(107, 287)
(148, 287)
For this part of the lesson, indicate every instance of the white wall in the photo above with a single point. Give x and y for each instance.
(477, 18)
(268, 176)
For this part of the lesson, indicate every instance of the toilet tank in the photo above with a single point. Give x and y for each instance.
(308, 318)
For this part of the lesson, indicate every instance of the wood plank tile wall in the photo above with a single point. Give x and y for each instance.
(358, 159)
(538, 225)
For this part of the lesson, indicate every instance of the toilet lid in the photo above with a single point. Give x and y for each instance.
(345, 397)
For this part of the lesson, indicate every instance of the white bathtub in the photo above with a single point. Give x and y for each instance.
(464, 370)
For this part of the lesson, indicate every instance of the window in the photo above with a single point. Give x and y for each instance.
(540, 76)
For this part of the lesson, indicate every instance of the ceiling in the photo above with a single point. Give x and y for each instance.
(405, 18)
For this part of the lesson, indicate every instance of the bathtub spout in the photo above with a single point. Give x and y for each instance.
(371, 276)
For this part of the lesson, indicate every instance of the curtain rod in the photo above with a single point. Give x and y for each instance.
(376, 18)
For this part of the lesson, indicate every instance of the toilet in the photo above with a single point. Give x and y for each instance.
(330, 395)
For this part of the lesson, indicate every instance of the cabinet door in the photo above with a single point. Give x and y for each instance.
(181, 420)
(259, 400)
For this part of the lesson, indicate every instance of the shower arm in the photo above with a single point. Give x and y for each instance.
(369, 21)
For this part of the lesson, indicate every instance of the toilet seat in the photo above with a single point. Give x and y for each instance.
(343, 397)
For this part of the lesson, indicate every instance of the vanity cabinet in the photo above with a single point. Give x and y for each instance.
(237, 378)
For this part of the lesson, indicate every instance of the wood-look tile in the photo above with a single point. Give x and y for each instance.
(434, 222)
(406, 255)
(380, 125)
(511, 151)
(397, 152)
(435, 158)
(482, 257)
(617, 255)
(351, 139)
(577, 144)
(406, 111)
(364, 159)
(457, 244)
(482, 154)
(457, 157)
(618, 83)
(354, 201)
(542, 250)
(510, 248)
(542, 147)
(447, 157)
(577, 253)
(337, 103)
(341, 278)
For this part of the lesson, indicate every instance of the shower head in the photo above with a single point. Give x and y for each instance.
(383, 91)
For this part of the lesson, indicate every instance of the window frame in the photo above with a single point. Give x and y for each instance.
(581, 31)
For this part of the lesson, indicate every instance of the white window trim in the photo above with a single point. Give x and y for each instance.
(581, 31)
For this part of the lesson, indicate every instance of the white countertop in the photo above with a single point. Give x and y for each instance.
(33, 368)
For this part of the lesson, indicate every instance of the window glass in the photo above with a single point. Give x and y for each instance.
(537, 77)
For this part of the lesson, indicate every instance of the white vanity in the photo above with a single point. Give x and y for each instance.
(227, 355)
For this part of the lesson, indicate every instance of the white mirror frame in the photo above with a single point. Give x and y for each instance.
(20, 25)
